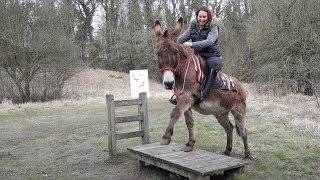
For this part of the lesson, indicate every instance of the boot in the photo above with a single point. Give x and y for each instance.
(202, 93)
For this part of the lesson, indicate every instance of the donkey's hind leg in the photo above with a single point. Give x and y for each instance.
(228, 128)
(190, 123)
(241, 129)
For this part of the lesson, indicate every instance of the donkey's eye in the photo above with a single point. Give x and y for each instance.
(159, 62)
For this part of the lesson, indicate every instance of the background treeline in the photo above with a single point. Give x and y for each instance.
(43, 43)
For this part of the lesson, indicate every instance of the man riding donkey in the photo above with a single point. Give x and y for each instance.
(204, 35)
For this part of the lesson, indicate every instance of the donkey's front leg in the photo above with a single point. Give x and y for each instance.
(190, 123)
(175, 115)
(182, 106)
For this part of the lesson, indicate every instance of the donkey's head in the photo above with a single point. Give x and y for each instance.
(168, 52)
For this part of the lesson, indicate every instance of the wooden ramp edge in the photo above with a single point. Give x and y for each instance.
(197, 164)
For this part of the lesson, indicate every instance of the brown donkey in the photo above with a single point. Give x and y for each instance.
(178, 73)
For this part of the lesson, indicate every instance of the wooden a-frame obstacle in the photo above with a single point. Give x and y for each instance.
(197, 164)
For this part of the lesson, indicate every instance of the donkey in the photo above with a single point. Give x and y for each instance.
(179, 73)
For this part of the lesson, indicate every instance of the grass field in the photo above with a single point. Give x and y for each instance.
(69, 141)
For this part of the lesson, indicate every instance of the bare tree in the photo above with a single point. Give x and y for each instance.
(148, 13)
(85, 10)
(284, 40)
(217, 7)
(34, 42)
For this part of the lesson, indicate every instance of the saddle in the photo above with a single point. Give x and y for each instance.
(222, 81)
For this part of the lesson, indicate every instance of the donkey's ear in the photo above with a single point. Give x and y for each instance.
(157, 28)
(178, 27)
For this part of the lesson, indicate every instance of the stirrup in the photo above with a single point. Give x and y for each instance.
(173, 100)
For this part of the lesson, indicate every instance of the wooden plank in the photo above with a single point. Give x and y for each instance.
(112, 146)
(221, 165)
(143, 109)
(126, 119)
(169, 167)
(130, 102)
(162, 150)
(192, 154)
(170, 154)
(210, 167)
(158, 150)
(203, 158)
(187, 161)
(149, 147)
(129, 135)
(144, 147)
(197, 162)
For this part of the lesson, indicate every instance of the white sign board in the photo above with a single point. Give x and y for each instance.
(139, 82)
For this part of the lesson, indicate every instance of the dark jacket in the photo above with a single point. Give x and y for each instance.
(204, 41)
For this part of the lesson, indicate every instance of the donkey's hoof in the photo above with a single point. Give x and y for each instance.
(165, 141)
(227, 152)
(188, 148)
(248, 156)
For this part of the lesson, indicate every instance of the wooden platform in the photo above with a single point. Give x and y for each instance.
(197, 164)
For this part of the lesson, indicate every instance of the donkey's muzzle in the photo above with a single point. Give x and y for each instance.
(168, 84)
(168, 79)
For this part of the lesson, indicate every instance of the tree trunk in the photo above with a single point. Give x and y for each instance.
(148, 14)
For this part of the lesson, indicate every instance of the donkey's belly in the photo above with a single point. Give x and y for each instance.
(206, 107)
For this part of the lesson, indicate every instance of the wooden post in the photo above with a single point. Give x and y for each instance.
(142, 165)
(112, 146)
(143, 109)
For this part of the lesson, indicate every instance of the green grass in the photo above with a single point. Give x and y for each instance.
(70, 142)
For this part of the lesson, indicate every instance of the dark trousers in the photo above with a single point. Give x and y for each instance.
(214, 63)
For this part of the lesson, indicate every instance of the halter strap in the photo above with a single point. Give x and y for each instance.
(168, 69)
